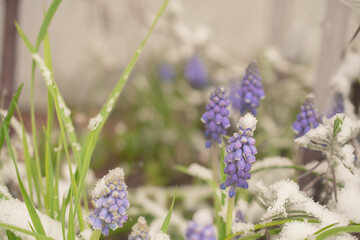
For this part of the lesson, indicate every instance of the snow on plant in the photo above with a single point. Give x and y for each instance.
(332, 138)
(140, 231)
(110, 202)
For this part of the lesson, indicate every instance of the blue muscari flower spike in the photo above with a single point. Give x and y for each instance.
(251, 90)
(166, 72)
(240, 155)
(110, 202)
(196, 72)
(308, 117)
(216, 117)
(337, 105)
(140, 231)
(201, 228)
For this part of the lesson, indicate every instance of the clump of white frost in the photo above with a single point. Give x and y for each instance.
(161, 236)
(322, 138)
(110, 105)
(4, 192)
(100, 185)
(284, 196)
(297, 231)
(203, 216)
(95, 122)
(14, 212)
(199, 171)
(86, 234)
(248, 121)
(43, 69)
(242, 227)
(63, 107)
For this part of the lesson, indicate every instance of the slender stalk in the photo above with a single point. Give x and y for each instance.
(215, 165)
(229, 215)
(95, 235)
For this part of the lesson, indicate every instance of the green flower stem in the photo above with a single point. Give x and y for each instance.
(229, 214)
(95, 235)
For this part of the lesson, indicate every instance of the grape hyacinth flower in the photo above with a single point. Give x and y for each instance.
(337, 105)
(140, 231)
(166, 72)
(308, 117)
(216, 117)
(240, 155)
(196, 72)
(251, 90)
(201, 228)
(110, 202)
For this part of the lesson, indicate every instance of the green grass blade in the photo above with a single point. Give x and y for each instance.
(10, 113)
(17, 229)
(338, 230)
(108, 106)
(71, 226)
(324, 228)
(49, 178)
(27, 158)
(166, 223)
(11, 236)
(46, 22)
(29, 205)
(62, 218)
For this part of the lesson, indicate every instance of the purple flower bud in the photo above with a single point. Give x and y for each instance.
(216, 117)
(250, 91)
(307, 118)
(140, 230)
(196, 73)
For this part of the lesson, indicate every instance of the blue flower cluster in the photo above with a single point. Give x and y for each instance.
(240, 155)
(307, 119)
(196, 72)
(140, 231)
(201, 228)
(110, 202)
(216, 117)
(200, 232)
(337, 105)
(251, 90)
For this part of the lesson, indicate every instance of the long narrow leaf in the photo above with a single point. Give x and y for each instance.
(17, 229)
(166, 223)
(337, 230)
(10, 113)
(29, 205)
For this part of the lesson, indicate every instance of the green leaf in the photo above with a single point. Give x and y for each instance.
(324, 228)
(29, 205)
(11, 236)
(17, 229)
(46, 22)
(166, 223)
(338, 230)
(10, 113)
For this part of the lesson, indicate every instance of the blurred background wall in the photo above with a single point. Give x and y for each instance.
(91, 39)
